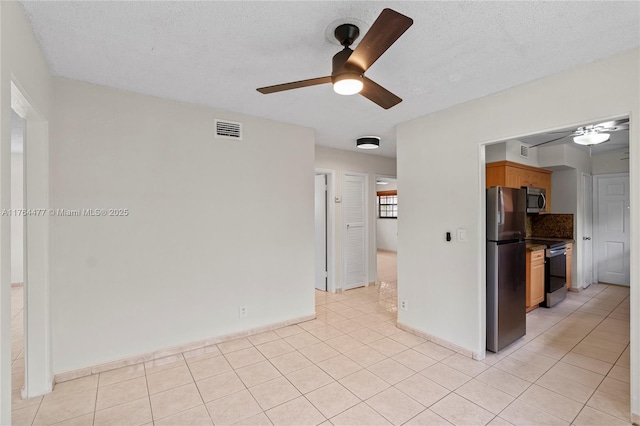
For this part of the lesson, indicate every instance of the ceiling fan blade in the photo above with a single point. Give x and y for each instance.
(294, 85)
(624, 122)
(615, 128)
(552, 140)
(559, 131)
(388, 28)
(378, 94)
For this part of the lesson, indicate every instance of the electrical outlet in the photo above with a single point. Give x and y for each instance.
(242, 311)
(404, 305)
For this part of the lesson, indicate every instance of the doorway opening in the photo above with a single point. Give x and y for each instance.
(32, 375)
(594, 314)
(17, 219)
(386, 232)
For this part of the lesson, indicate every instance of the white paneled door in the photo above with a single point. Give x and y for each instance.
(355, 230)
(612, 229)
(321, 232)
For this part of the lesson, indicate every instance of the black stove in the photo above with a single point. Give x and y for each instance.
(555, 271)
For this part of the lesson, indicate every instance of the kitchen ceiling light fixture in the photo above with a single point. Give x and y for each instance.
(368, 142)
(592, 134)
(591, 137)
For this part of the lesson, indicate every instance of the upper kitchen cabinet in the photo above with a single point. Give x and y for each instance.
(516, 175)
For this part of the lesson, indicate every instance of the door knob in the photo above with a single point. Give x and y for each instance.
(586, 238)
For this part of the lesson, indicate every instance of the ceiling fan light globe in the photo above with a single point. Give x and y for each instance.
(591, 138)
(348, 85)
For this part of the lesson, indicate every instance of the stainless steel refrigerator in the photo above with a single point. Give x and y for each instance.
(506, 266)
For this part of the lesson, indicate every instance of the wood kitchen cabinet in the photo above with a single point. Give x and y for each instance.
(516, 175)
(535, 278)
(569, 264)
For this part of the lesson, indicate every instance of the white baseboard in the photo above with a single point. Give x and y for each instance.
(441, 342)
(112, 365)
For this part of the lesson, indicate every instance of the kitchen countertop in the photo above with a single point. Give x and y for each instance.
(536, 246)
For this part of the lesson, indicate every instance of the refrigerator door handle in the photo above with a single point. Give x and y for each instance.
(500, 207)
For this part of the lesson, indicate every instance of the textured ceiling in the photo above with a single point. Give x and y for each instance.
(217, 53)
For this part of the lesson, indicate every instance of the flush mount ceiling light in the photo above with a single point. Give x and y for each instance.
(368, 142)
(591, 137)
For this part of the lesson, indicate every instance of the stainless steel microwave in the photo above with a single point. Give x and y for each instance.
(536, 199)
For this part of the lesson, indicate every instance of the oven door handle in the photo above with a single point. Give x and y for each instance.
(556, 252)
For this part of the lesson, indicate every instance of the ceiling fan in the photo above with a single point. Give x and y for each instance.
(591, 134)
(349, 66)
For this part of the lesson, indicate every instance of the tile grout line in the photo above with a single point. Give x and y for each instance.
(196, 383)
(146, 381)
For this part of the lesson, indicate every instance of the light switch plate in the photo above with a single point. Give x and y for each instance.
(462, 235)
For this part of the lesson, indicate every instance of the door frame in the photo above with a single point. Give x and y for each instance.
(331, 231)
(596, 218)
(585, 201)
(37, 246)
(367, 227)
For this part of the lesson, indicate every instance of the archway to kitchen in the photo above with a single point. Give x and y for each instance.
(593, 323)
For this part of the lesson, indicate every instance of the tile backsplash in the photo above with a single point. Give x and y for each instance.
(550, 225)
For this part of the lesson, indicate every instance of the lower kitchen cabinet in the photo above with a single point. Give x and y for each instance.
(535, 278)
(569, 264)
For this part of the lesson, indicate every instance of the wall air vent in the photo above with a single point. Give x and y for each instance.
(228, 129)
(524, 151)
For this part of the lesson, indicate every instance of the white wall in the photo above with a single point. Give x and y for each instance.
(347, 161)
(610, 162)
(446, 282)
(214, 224)
(17, 222)
(387, 234)
(510, 151)
(23, 64)
(567, 192)
(387, 229)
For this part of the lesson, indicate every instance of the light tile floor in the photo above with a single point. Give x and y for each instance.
(352, 366)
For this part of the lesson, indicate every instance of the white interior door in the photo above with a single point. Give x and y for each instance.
(613, 230)
(321, 232)
(587, 231)
(355, 231)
